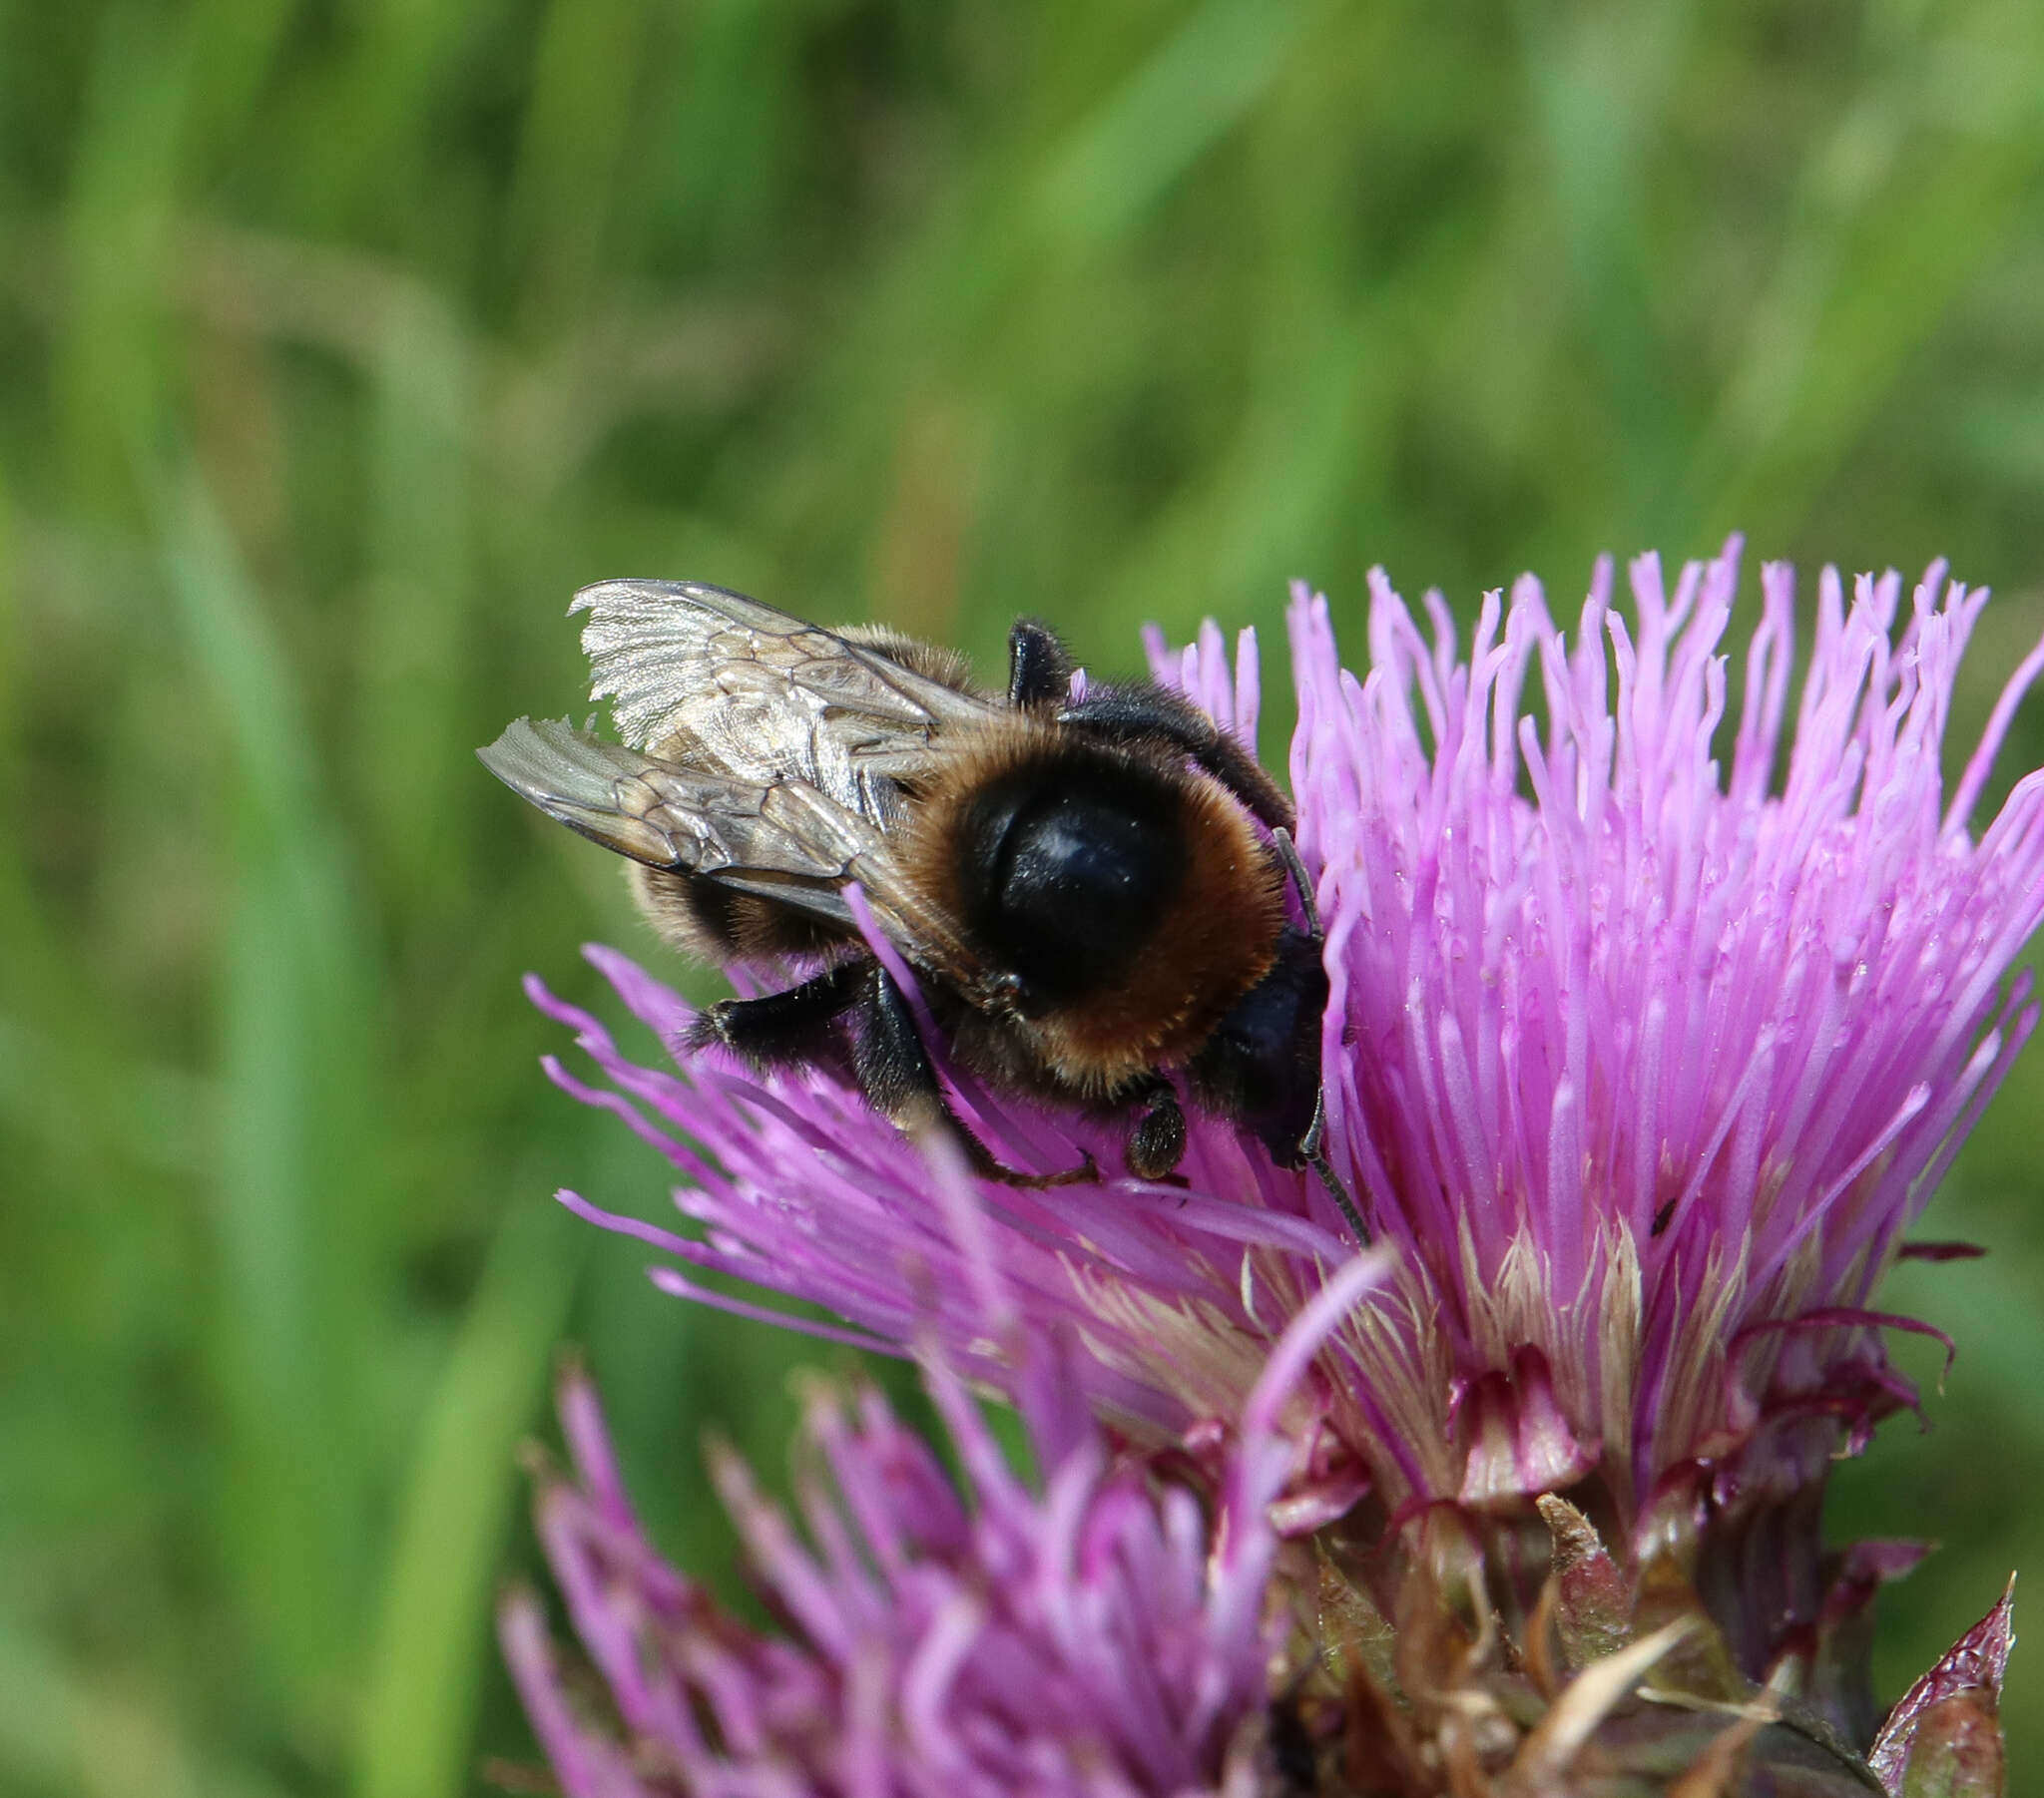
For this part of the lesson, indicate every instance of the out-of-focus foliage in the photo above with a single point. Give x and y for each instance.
(339, 343)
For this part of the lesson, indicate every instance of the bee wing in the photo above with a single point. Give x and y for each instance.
(761, 695)
(785, 840)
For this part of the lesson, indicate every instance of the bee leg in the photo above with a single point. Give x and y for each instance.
(1129, 713)
(895, 1073)
(794, 1028)
(1159, 1140)
(1039, 665)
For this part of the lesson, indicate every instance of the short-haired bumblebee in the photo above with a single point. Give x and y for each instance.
(1090, 885)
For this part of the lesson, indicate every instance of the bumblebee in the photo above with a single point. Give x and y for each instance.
(1090, 885)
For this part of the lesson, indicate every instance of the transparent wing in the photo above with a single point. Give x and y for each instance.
(763, 697)
(785, 839)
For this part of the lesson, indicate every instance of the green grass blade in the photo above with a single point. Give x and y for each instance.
(433, 1639)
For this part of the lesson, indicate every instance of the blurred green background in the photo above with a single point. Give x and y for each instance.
(339, 341)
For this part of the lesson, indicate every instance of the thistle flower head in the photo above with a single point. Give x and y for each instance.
(1654, 1023)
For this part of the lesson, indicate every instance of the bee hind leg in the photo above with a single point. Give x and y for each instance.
(793, 1028)
(894, 1071)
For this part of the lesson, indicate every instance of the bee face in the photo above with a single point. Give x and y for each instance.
(1092, 891)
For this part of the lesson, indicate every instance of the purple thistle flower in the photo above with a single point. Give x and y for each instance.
(1644, 1049)
(1100, 1633)
(1651, 1069)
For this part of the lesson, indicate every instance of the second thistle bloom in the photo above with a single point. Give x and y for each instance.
(1094, 1632)
(1068, 1641)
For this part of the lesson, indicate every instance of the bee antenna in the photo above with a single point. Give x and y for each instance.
(1288, 853)
(1340, 1194)
(1314, 1149)
(1312, 1146)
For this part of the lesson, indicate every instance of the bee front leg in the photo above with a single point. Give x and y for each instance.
(1039, 665)
(1133, 713)
(894, 1071)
